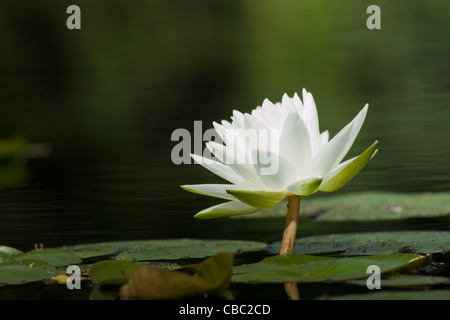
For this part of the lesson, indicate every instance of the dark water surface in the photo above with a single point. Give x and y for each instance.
(106, 99)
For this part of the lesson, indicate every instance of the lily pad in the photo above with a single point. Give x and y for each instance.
(371, 243)
(407, 281)
(13, 252)
(365, 206)
(19, 273)
(212, 277)
(53, 257)
(305, 268)
(6, 259)
(396, 295)
(148, 250)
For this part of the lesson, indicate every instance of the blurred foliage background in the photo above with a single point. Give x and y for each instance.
(105, 99)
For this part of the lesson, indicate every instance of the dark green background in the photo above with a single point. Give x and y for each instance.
(106, 98)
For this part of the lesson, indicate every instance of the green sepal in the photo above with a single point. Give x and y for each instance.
(305, 187)
(230, 208)
(349, 171)
(259, 199)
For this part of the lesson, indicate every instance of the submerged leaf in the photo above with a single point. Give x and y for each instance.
(113, 271)
(213, 277)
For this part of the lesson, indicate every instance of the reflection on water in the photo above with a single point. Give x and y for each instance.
(107, 98)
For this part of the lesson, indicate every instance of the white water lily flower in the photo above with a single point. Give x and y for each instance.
(304, 159)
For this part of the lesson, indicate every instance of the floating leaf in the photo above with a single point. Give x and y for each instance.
(113, 271)
(374, 243)
(13, 252)
(213, 277)
(406, 280)
(53, 257)
(396, 295)
(6, 259)
(18, 273)
(33, 263)
(365, 206)
(171, 249)
(305, 268)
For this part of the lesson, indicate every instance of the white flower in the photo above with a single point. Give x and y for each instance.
(302, 159)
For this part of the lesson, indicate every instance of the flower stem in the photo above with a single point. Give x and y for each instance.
(290, 228)
(292, 290)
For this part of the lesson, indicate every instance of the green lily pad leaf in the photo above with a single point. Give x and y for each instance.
(19, 274)
(113, 271)
(398, 295)
(304, 268)
(170, 249)
(364, 206)
(368, 206)
(33, 263)
(212, 277)
(55, 258)
(13, 252)
(259, 199)
(371, 243)
(407, 281)
(6, 259)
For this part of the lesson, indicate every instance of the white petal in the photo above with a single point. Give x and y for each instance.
(231, 136)
(295, 144)
(213, 190)
(298, 103)
(253, 129)
(323, 162)
(270, 115)
(241, 165)
(288, 106)
(220, 129)
(311, 120)
(274, 171)
(220, 151)
(247, 173)
(238, 119)
(219, 169)
(356, 124)
(324, 136)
